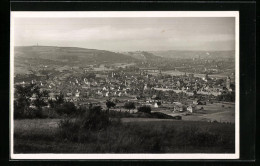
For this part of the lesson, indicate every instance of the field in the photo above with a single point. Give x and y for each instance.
(132, 135)
(220, 112)
(178, 73)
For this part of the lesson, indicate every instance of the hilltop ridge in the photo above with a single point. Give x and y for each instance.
(69, 54)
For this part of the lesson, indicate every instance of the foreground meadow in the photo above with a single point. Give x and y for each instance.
(125, 136)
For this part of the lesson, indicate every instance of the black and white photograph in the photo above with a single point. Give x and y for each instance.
(124, 85)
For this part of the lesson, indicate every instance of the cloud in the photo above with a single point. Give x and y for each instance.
(128, 34)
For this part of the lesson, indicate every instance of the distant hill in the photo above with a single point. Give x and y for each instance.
(67, 55)
(194, 54)
(142, 55)
(52, 55)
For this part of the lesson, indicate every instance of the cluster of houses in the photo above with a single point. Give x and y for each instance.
(81, 87)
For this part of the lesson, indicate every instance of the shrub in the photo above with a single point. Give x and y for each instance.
(160, 115)
(31, 113)
(117, 114)
(18, 111)
(204, 139)
(110, 104)
(93, 119)
(38, 113)
(229, 97)
(196, 137)
(129, 105)
(69, 129)
(145, 109)
(50, 113)
(67, 108)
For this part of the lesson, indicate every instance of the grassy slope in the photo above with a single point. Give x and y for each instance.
(195, 54)
(42, 136)
(66, 55)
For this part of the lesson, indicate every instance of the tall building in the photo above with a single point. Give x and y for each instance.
(145, 86)
(207, 76)
(228, 83)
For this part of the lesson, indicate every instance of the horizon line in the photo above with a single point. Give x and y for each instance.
(115, 50)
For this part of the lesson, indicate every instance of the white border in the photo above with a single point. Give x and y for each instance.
(123, 14)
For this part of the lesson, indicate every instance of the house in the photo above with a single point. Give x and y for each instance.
(199, 102)
(69, 94)
(155, 105)
(196, 101)
(189, 93)
(145, 86)
(191, 108)
(154, 96)
(33, 97)
(202, 103)
(183, 88)
(77, 94)
(52, 96)
(178, 84)
(178, 108)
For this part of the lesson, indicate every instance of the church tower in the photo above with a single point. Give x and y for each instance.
(228, 82)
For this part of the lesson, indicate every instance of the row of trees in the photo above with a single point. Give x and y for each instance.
(23, 103)
(30, 101)
(129, 106)
(229, 97)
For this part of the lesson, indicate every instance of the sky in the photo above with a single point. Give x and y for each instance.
(128, 34)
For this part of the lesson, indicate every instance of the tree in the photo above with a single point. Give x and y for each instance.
(91, 76)
(67, 108)
(157, 97)
(40, 96)
(23, 95)
(232, 86)
(23, 101)
(59, 99)
(129, 105)
(172, 95)
(145, 109)
(110, 104)
(219, 82)
(229, 97)
(51, 103)
(18, 110)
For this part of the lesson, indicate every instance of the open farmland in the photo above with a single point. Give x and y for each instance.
(220, 112)
(214, 112)
(179, 73)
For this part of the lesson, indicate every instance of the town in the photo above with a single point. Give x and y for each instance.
(146, 84)
(121, 83)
